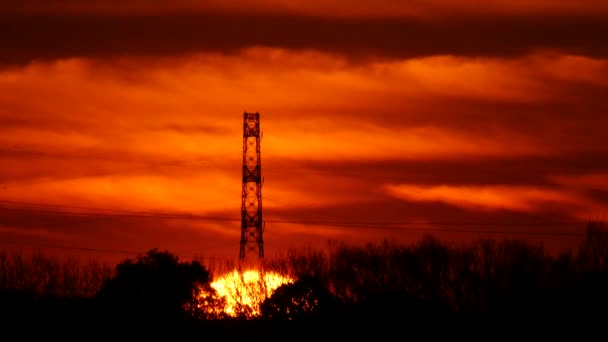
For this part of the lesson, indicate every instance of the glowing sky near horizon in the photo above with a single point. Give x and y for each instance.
(372, 111)
(248, 289)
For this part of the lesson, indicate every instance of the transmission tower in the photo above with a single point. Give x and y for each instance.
(251, 206)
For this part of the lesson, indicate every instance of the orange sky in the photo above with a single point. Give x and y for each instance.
(434, 111)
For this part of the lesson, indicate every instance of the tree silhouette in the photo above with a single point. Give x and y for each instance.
(593, 252)
(156, 286)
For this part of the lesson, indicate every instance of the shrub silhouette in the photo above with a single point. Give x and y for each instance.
(156, 286)
(306, 298)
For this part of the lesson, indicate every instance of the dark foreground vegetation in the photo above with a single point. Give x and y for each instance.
(348, 288)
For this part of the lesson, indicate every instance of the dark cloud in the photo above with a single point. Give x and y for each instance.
(27, 38)
(482, 171)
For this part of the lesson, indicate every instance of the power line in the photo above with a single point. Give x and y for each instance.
(402, 226)
(111, 213)
(75, 248)
(105, 211)
(429, 223)
(102, 250)
(368, 226)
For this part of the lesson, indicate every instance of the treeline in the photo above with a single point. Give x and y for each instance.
(42, 275)
(380, 281)
(488, 278)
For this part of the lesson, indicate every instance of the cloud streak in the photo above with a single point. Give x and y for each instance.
(488, 197)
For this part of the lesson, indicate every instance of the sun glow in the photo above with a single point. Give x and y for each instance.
(245, 291)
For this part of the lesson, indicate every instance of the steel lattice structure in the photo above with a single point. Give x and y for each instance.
(251, 206)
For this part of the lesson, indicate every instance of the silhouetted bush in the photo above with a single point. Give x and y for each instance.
(155, 286)
(307, 298)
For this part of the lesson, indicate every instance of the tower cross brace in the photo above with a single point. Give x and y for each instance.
(251, 206)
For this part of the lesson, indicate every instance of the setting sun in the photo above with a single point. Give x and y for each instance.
(245, 291)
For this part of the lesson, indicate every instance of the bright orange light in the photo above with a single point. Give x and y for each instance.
(244, 292)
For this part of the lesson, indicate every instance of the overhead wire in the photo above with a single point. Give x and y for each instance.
(63, 210)
(103, 250)
(99, 213)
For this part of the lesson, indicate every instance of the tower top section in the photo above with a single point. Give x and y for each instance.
(251, 125)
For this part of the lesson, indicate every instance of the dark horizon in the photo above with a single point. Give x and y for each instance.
(380, 285)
